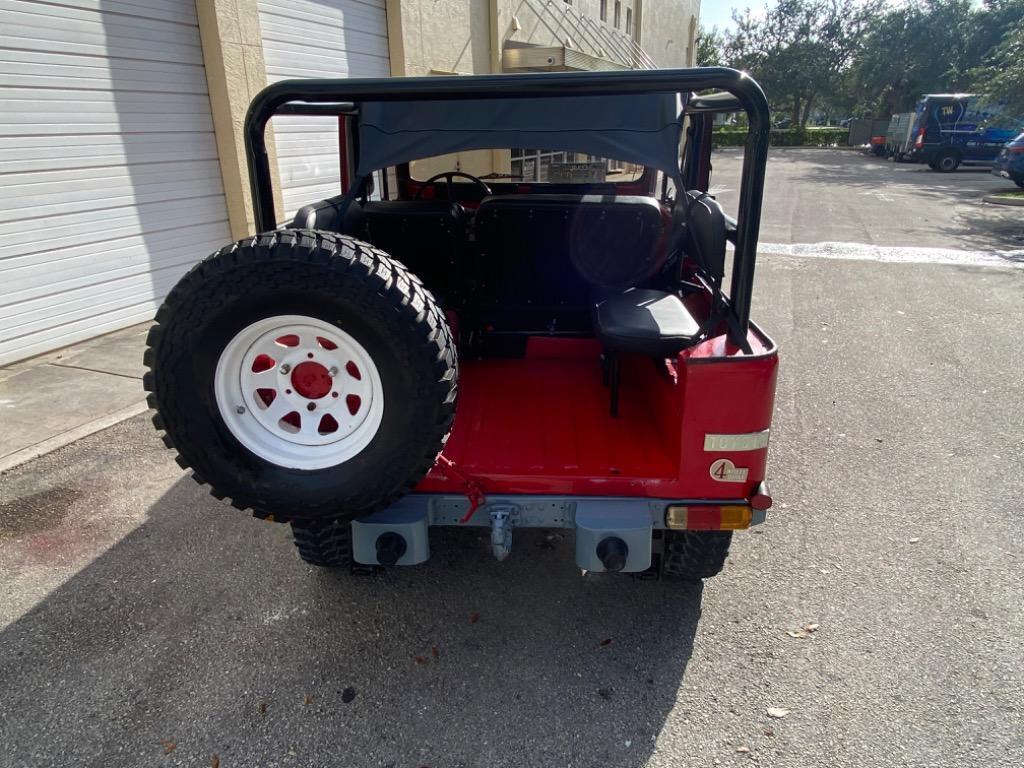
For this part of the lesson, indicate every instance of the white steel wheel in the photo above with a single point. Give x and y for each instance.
(299, 392)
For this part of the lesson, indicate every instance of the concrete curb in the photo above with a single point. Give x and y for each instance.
(66, 438)
(999, 200)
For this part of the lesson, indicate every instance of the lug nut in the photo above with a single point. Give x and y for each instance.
(333, 371)
(239, 409)
(311, 407)
(285, 368)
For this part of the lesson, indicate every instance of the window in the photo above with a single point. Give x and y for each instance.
(604, 10)
(629, 21)
(547, 166)
(618, 13)
(537, 166)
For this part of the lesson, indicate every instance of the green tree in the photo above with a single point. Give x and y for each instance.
(710, 47)
(1000, 39)
(799, 50)
(911, 50)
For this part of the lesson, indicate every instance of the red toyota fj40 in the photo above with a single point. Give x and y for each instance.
(548, 343)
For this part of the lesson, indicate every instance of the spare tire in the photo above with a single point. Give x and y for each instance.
(303, 375)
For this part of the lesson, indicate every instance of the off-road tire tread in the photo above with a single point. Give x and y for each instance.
(326, 545)
(693, 555)
(325, 251)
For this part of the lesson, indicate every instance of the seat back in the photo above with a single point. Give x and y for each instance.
(706, 230)
(427, 236)
(326, 215)
(540, 255)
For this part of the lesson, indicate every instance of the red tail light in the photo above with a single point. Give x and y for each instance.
(920, 138)
(708, 517)
(1018, 150)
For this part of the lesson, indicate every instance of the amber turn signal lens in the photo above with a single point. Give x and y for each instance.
(735, 518)
(707, 517)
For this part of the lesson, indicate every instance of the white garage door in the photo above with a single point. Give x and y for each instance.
(318, 38)
(109, 181)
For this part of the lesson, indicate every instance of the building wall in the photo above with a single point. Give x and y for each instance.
(542, 28)
(458, 36)
(444, 37)
(668, 31)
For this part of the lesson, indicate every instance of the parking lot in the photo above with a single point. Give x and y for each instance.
(878, 611)
(846, 196)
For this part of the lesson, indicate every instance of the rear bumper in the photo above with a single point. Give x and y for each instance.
(539, 511)
(595, 520)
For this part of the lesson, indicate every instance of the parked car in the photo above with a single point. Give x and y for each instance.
(553, 345)
(1010, 163)
(954, 128)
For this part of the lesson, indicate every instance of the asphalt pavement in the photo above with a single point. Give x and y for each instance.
(847, 196)
(879, 613)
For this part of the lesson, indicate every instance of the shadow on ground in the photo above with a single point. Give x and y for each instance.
(204, 629)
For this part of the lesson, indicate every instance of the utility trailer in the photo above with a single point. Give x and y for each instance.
(899, 136)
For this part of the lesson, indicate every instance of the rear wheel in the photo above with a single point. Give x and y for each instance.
(693, 555)
(946, 161)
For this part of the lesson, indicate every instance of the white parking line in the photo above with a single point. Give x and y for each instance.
(897, 254)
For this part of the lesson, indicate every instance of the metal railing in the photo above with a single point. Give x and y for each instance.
(583, 33)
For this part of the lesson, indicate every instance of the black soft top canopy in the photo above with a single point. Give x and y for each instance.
(409, 100)
(641, 128)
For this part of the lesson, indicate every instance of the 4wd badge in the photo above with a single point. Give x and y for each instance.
(724, 471)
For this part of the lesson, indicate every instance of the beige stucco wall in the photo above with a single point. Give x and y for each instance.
(668, 31)
(443, 36)
(235, 73)
(457, 36)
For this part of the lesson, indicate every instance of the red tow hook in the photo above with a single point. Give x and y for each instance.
(471, 488)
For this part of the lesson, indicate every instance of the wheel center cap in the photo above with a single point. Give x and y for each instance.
(311, 380)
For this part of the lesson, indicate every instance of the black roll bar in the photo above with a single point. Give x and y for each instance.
(341, 94)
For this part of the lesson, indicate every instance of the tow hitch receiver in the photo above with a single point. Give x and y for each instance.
(610, 536)
(394, 536)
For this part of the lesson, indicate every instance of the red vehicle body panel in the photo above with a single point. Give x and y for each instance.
(541, 424)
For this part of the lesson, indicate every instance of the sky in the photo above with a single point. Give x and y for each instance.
(719, 12)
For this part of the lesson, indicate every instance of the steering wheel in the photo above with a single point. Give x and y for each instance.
(448, 176)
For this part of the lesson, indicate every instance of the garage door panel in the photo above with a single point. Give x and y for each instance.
(86, 304)
(22, 154)
(324, 64)
(41, 27)
(25, 278)
(28, 345)
(318, 38)
(359, 16)
(330, 40)
(71, 100)
(106, 135)
(176, 12)
(87, 229)
(45, 69)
